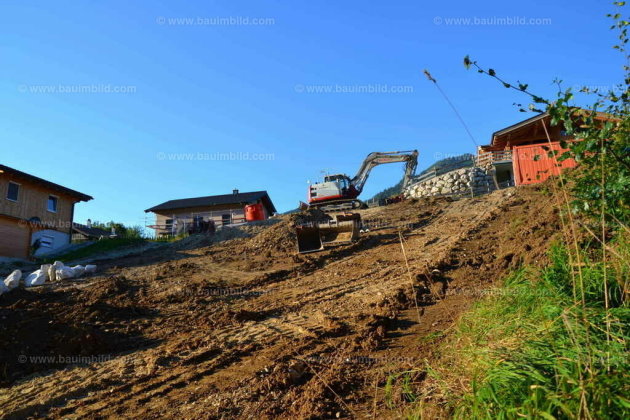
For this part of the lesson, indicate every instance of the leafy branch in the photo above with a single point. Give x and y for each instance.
(603, 129)
(521, 87)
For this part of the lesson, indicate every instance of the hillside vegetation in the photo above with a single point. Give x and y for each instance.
(552, 342)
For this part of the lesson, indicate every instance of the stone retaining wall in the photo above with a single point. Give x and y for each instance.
(466, 181)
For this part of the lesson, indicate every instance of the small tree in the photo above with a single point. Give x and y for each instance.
(122, 231)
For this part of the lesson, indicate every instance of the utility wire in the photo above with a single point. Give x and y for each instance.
(426, 73)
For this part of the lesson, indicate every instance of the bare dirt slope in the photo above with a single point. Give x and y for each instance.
(247, 328)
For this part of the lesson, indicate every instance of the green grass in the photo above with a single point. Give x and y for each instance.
(168, 239)
(536, 351)
(99, 247)
(400, 385)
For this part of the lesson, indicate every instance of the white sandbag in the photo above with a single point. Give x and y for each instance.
(78, 270)
(36, 278)
(90, 269)
(28, 279)
(64, 273)
(44, 269)
(13, 280)
(52, 271)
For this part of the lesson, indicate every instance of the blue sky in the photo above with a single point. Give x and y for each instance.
(199, 87)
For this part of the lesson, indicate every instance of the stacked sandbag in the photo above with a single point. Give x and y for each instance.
(44, 268)
(13, 280)
(38, 277)
(3, 288)
(53, 272)
(78, 270)
(63, 273)
(59, 271)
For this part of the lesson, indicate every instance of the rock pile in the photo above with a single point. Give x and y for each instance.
(466, 181)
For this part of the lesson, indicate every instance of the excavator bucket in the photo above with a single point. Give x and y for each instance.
(340, 231)
(343, 229)
(308, 239)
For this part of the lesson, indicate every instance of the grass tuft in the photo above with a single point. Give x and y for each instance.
(96, 248)
(531, 351)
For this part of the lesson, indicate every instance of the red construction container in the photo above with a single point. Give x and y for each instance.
(532, 163)
(254, 212)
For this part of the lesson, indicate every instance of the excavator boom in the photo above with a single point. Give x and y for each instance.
(380, 158)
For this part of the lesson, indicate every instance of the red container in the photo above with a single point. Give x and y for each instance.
(254, 212)
(533, 165)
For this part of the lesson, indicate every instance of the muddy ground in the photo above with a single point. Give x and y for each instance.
(245, 328)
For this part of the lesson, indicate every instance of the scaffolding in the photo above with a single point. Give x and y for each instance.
(186, 223)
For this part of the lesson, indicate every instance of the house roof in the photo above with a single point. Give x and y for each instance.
(520, 124)
(216, 200)
(90, 231)
(500, 137)
(47, 184)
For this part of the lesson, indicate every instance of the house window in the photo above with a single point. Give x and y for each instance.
(47, 241)
(52, 203)
(226, 219)
(13, 192)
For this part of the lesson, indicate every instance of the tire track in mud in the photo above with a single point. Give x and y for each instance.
(296, 326)
(341, 283)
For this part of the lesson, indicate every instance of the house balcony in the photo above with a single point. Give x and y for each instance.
(493, 157)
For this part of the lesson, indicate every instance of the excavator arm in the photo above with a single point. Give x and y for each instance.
(380, 158)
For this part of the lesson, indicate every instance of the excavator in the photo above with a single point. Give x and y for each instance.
(339, 193)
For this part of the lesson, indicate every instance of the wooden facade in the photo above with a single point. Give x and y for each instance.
(25, 210)
(33, 202)
(510, 151)
(532, 163)
(520, 151)
(14, 238)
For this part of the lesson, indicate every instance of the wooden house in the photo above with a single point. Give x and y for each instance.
(520, 153)
(35, 214)
(181, 216)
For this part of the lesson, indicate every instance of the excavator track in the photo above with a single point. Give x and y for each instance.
(339, 205)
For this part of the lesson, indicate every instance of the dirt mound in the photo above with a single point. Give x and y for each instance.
(244, 327)
(47, 329)
(224, 233)
(279, 238)
(307, 216)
